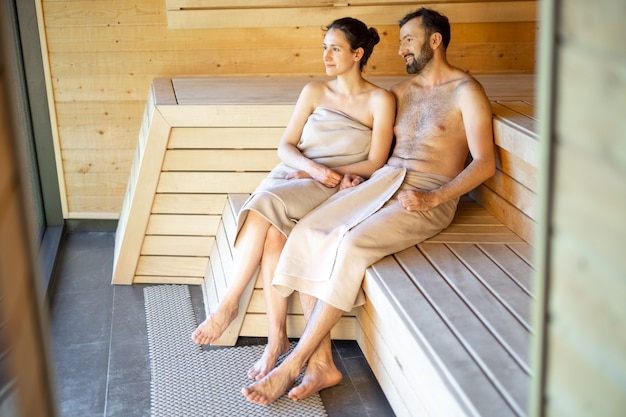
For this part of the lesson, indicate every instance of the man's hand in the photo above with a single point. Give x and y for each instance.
(418, 200)
(350, 180)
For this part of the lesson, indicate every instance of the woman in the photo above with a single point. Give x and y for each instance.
(339, 133)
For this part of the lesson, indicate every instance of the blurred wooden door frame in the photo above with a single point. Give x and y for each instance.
(26, 387)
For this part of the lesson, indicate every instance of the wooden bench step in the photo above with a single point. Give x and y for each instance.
(455, 318)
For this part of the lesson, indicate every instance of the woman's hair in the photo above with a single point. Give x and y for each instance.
(432, 22)
(358, 35)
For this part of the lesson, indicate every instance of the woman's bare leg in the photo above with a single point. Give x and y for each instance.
(276, 307)
(247, 255)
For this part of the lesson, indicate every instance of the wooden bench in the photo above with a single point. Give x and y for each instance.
(446, 324)
(445, 327)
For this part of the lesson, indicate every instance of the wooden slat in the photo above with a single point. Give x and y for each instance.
(510, 333)
(140, 194)
(504, 374)
(218, 279)
(209, 291)
(93, 114)
(515, 267)
(225, 138)
(215, 182)
(317, 16)
(198, 115)
(162, 279)
(189, 204)
(504, 211)
(97, 161)
(474, 224)
(177, 245)
(95, 207)
(521, 107)
(251, 4)
(226, 4)
(220, 160)
(231, 214)
(513, 57)
(182, 225)
(104, 13)
(518, 169)
(383, 363)
(154, 38)
(514, 192)
(443, 352)
(84, 88)
(172, 266)
(507, 127)
(504, 287)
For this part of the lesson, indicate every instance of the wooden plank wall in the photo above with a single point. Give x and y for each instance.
(103, 54)
(585, 317)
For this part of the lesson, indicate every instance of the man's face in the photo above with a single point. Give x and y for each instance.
(414, 46)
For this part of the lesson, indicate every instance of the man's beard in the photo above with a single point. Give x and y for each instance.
(418, 64)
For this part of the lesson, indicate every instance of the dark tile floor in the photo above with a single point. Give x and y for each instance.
(100, 350)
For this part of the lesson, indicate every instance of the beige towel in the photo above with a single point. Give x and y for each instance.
(329, 137)
(329, 250)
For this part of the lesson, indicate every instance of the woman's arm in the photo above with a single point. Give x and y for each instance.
(288, 150)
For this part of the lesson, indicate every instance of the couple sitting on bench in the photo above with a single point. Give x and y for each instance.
(343, 203)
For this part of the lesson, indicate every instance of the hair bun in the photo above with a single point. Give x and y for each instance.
(374, 38)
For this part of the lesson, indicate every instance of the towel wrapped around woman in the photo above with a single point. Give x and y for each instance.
(330, 138)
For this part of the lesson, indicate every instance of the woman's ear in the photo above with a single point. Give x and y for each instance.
(358, 54)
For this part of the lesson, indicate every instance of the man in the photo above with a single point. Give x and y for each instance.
(442, 114)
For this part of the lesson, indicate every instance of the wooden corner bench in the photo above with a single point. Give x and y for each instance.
(446, 324)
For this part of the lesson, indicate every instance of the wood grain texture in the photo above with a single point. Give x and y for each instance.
(98, 87)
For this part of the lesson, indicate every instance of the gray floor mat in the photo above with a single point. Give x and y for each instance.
(189, 381)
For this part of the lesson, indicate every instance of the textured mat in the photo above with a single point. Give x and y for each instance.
(189, 381)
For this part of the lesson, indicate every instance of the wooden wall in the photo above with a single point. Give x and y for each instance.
(103, 54)
(583, 354)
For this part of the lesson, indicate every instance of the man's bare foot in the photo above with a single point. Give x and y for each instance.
(214, 326)
(272, 386)
(317, 376)
(267, 362)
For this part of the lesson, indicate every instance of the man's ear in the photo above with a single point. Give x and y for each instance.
(436, 40)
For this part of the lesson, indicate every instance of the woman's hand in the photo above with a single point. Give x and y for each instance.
(324, 175)
(297, 175)
(350, 180)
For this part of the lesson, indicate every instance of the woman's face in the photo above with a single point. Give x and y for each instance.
(338, 56)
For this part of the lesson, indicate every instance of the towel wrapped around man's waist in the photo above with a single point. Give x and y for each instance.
(329, 250)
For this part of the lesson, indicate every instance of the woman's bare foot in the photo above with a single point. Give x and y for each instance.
(214, 326)
(317, 376)
(272, 386)
(267, 362)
